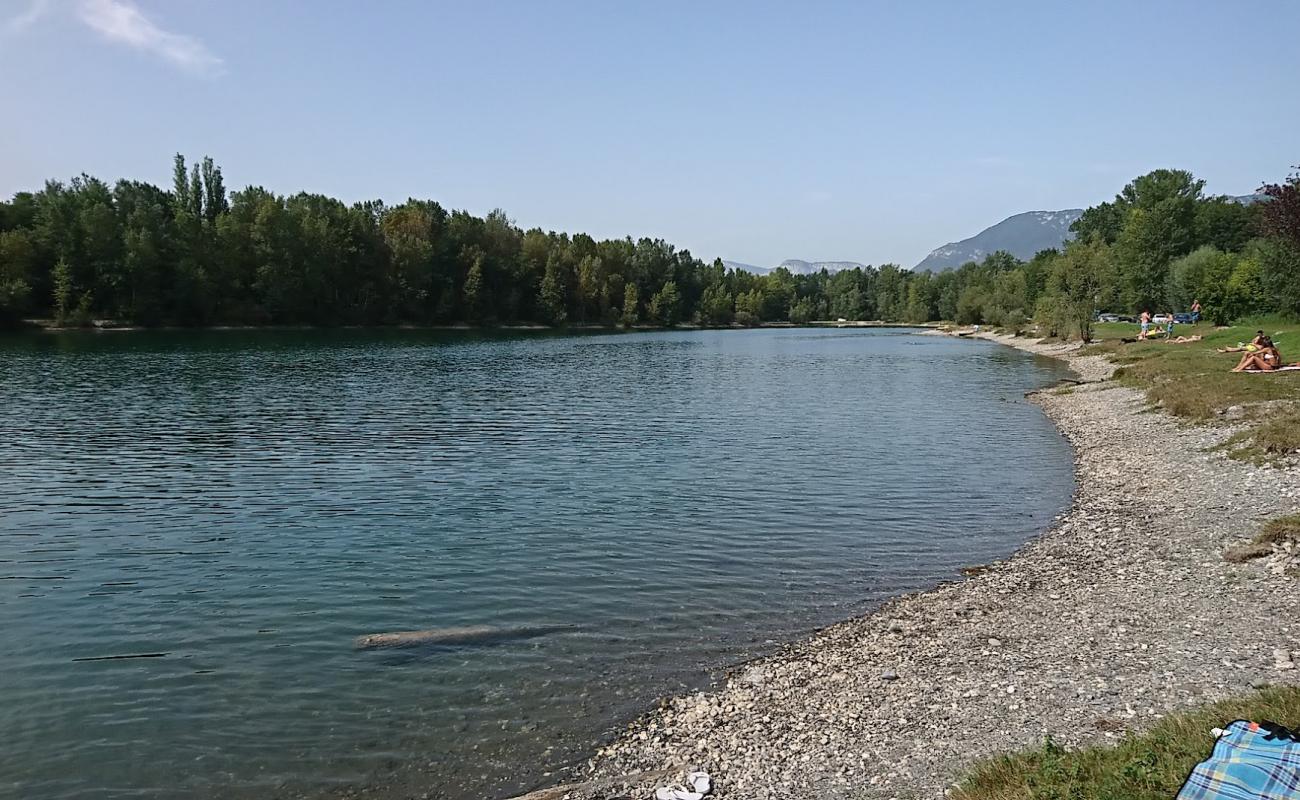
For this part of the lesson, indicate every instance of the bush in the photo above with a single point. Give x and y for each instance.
(1279, 263)
(970, 307)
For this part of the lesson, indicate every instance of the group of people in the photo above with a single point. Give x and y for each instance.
(1145, 321)
(1261, 355)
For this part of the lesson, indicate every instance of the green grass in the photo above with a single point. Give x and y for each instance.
(1275, 531)
(1196, 382)
(1145, 766)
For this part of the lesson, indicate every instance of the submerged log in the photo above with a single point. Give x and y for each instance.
(468, 634)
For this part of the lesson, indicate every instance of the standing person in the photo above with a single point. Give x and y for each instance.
(1196, 311)
(1145, 319)
(1169, 326)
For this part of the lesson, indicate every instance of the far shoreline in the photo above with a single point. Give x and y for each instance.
(113, 326)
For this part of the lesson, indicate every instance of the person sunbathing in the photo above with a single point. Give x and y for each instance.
(1255, 344)
(1266, 359)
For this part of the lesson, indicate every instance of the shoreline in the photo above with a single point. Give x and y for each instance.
(1121, 611)
(112, 326)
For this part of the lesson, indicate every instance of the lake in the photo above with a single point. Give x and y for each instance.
(635, 512)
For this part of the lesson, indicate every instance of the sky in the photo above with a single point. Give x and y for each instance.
(750, 131)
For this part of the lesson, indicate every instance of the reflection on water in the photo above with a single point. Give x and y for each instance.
(231, 510)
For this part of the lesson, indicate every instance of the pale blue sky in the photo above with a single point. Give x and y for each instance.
(751, 131)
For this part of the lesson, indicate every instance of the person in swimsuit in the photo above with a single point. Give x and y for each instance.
(1246, 348)
(1266, 359)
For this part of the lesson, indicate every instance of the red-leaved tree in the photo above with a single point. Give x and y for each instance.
(1279, 216)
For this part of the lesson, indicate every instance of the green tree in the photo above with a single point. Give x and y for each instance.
(1280, 273)
(1151, 239)
(214, 192)
(749, 307)
(666, 305)
(1187, 277)
(1223, 223)
(1104, 221)
(180, 185)
(631, 312)
(1214, 270)
(717, 306)
(64, 291)
(1076, 283)
(194, 200)
(803, 311)
(17, 261)
(1245, 290)
(553, 292)
(473, 290)
(591, 283)
(970, 306)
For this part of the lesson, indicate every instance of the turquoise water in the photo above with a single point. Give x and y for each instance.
(654, 506)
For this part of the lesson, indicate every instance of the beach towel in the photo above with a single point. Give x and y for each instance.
(1250, 761)
(1287, 368)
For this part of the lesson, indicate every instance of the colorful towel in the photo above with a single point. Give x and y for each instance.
(1250, 761)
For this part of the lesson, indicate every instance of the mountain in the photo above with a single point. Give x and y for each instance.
(1021, 235)
(796, 266)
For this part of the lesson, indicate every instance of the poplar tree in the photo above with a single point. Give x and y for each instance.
(214, 191)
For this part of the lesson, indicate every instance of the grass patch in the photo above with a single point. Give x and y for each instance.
(1281, 529)
(1196, 382)
(1268, 442)
(1147, 766)
(1275, 531)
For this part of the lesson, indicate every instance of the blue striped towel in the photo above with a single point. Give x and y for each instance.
(1250, 761)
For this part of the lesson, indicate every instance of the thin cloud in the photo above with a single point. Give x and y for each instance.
(121, 22)
(28, 18)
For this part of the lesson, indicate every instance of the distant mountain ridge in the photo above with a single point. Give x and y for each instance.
(1021, 235)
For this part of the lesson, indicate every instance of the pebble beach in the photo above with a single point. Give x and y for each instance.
(1123, 611)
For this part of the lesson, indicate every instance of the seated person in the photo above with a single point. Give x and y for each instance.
(1266, 359)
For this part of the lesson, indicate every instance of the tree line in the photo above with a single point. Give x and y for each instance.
(199, 255)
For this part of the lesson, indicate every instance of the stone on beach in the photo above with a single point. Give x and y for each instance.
(1119, 614)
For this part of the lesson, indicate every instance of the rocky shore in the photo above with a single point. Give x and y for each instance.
(1123, 611)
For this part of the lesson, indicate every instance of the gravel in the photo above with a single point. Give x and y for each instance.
(1120, 613)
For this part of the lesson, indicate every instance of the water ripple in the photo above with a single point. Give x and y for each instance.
(198, 525)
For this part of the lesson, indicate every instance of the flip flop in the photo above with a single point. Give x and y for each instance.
(700, 782)
(676, 793)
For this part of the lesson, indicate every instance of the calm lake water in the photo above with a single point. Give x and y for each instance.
(245, 504)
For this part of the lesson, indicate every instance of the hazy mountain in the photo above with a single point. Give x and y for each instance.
(1021, 235)
(796, 266)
